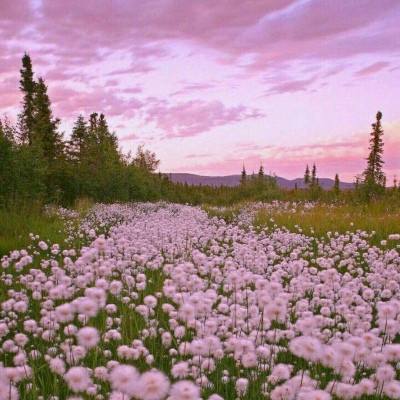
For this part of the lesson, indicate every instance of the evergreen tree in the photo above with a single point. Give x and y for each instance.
(374, 178)
(243, 176)
(45, 126)
(48, 143)
(6, 165)
(78, 139)
(104, 136)
(261, 172)
(307, 175)
(93, 125)
(336, 185)
(314, 176)
(27, 86)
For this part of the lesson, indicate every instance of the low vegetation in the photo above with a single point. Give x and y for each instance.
(150, 301)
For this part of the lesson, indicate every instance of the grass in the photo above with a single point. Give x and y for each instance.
(382, 218)
(16, 224)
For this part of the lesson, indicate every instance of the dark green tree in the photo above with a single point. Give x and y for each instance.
(243, 176)
(48, 142)
(374, 178)
(307, 175)
(78, 139)
(261, 172)
(45, 126)
(7, 163)
(314, 176)
(27, 86)
(336, 185)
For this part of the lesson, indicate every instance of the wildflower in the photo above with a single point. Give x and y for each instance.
(184, 390)
(153, 385)
(124, 378)
(78, 379)
(88, 337)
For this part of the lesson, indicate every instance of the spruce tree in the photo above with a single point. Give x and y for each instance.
(93, 125)
(314, 176)
(307, 175)
(374, 178)
(27, 86)
(336, 185)
(78, 139)
(243, 176)
(6, 165)
(106, 137)
(45, 126)
(261, 172)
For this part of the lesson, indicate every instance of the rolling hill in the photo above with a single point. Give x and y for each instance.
(233, 180)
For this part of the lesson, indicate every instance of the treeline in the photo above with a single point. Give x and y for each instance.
(38, 165)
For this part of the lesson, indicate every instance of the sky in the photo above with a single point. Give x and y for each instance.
(210, 85)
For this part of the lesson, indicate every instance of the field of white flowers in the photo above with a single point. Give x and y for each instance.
(162, 301)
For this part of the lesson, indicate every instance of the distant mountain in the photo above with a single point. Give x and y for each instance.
(234, 180)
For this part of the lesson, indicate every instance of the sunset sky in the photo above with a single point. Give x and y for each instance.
(210, 84)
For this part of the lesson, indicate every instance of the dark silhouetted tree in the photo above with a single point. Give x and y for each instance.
(374, 178)
(27, 86)
(314, 176)
(336, 185)
(307, 175)
(243, 176)
(261, 172)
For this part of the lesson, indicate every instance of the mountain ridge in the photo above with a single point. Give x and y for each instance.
(234, 180)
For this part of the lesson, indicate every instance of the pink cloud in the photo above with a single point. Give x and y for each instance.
(190, 88)
(266, 27)
(14, 17)
(70, 102)
(373, 68)
(291, 86)
(196, 116)
(131, 136)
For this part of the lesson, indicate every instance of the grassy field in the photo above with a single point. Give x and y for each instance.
(16, 224)
(381, 218)
(317, 219)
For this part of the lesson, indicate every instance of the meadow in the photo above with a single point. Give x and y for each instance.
(279, 300)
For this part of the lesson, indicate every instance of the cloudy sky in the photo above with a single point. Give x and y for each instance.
(210, 84)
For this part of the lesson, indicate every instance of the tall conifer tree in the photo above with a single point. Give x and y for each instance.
(45, 126)
(307, 175)
(243, 176)
(314, 176)
(261, 172)
(27, 86)
(78, 139)
(336, 185)
(374, 178)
